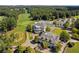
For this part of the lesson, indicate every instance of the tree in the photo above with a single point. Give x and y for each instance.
(36, 39)
(11, 23)
(9, 50)
(70, 44)
(45, 44)
(48, 28)
(58, 46)
(75, 36)
(74, 30)
(77, 24)
(66, 25)
(20, 49)
(3, 26)
(64, 36)
(8, 23)
(29, 50)
(29, 28)
(47, 13)
(5, 42)
(72, 25)
(52, 17)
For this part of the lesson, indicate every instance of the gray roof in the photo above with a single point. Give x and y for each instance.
(49, 36)
(44, 23)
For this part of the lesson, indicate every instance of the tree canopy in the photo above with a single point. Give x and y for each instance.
(64, 36)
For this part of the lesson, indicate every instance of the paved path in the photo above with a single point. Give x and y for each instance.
(28, 42)
(63, 47)
(45, 51)
(65, 44)
(72, 40)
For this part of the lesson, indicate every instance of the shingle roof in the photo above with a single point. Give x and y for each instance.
(44, 23)
(49, 36)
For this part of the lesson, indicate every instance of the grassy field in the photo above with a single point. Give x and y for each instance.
(77, 16)
(74, 49)
(23, 21)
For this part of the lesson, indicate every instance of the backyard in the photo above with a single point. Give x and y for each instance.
(74, 49)
(57, 31)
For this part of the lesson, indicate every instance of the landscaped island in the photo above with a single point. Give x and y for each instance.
(39, 29)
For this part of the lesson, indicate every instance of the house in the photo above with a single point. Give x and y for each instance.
(63, 21)
(50, 37)
(39, 27)
(60, 22)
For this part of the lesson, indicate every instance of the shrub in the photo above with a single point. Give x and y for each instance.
(36, 39)
(48, 28)
(29, 50)
(75, 36)
(45, 44)
(29, 28)
(66, 25)
(74, 30)
(70, 44)
(58, 46)
(64, 36)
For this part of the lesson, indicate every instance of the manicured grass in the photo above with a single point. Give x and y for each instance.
(23, 21)
(77, 16)
(74, 49)
(57, 31)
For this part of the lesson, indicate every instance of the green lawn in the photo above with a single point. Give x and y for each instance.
(23, 21)
(57, 31)
(77, 16)
(74, 49)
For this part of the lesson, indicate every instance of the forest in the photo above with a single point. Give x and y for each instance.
(50, 13)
